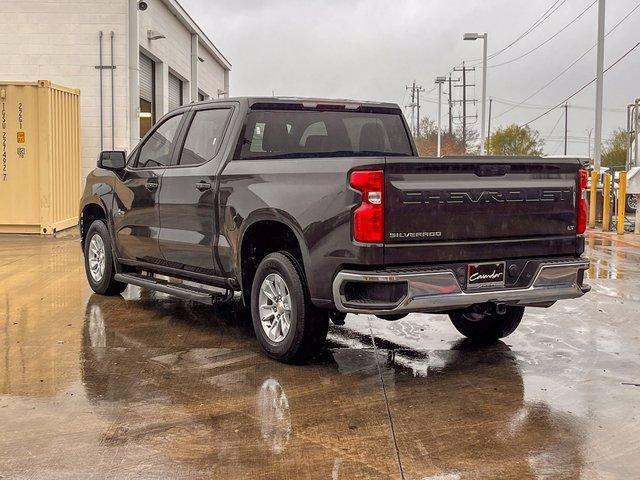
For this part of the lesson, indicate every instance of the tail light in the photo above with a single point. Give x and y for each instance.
(368, 218)
(583, 208)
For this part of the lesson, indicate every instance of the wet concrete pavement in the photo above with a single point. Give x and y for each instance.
(147, 386)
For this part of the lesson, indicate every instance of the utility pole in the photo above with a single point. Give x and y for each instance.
(489, 127)
(464, 100)
(413, 106)
(450, 109)
(451, 81)
(464, 107)
(418, 90)
(439, 82)
(566, 126)
(599, 88)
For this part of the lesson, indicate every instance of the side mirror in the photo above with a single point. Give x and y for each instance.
(112, 160)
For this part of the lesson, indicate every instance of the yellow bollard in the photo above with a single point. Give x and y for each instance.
(606, 202)
(593, 199)
(622, 195)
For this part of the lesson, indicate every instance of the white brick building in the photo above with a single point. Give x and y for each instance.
(161, 57)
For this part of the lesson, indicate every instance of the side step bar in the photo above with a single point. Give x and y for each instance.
(186, 292)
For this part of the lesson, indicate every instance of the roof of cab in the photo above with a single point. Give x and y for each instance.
(308, 102)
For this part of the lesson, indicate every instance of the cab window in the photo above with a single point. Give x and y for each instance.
(157, 149)
(204, 137)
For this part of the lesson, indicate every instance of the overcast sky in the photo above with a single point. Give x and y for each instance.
(372, 49)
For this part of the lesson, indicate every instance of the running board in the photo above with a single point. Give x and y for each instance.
(185, 292)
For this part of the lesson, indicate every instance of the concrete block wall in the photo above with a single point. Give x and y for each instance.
(58, 41)
(211, 76)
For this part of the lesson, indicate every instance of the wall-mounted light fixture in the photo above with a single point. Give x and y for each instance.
(154, 35)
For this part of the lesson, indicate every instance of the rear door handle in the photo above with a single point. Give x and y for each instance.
(151, 185)
(202, 186)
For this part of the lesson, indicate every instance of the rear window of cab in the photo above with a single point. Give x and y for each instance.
(271, 134)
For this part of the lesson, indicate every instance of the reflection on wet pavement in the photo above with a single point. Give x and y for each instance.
(148, 386)
(612, 256)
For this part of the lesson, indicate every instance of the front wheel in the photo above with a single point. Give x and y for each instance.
(483, 323)
(288, 327)
(98, 261)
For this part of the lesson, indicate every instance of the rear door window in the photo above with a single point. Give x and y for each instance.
(204, 136)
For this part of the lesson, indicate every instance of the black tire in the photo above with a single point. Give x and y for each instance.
(630, 204)
(308, 325)
(392, 317)
(483, 323)
(106, 285)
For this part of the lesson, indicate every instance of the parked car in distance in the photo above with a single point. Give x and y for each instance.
(631, 202)
(313, 209)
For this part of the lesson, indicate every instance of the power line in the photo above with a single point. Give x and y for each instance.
(548, 39)
(550, 11)
(554, 127)
(534, 106)
(584, 86)
(570, 65)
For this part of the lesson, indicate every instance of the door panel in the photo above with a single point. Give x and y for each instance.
(136, 216)
(187, 197)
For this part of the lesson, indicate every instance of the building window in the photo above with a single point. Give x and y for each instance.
(147, 94)
(175, 92)
(201, 97)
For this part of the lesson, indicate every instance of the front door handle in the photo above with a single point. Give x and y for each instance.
(151, 185)
(202, 186)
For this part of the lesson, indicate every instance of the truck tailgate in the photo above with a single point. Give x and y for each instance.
(479, 200)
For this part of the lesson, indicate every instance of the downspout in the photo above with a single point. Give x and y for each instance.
(194, 67)
(113, 113)
(101, 99)
(134, 75)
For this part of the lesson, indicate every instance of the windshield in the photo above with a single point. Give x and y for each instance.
(305, 133)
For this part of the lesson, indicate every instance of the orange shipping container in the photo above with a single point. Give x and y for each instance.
(39, 157)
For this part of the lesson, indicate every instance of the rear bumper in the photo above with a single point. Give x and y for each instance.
(439, 290)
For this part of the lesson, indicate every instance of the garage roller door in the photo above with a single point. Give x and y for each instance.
(146, 78)
(175, 92)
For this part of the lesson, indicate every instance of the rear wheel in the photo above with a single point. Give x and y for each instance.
(288, 327)
(483, 323)
(631, 203)
(392, 317)
(98, 261)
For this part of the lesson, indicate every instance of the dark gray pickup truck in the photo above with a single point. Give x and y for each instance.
(317, 208)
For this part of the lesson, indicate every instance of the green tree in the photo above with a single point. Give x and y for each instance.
(451, 142)
(615, 149)
(515, 140)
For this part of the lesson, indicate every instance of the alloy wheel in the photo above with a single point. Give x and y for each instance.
(96, 258)
(275, 307)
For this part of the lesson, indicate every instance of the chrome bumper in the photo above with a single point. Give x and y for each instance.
(437, 291)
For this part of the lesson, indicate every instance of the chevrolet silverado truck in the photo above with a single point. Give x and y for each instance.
(312, 209)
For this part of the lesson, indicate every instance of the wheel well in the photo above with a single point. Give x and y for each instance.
(90, 213)
(261, 239)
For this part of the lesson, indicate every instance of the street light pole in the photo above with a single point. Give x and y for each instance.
(439, 82)
(589, 132)
(483, 36)
(599, 87)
